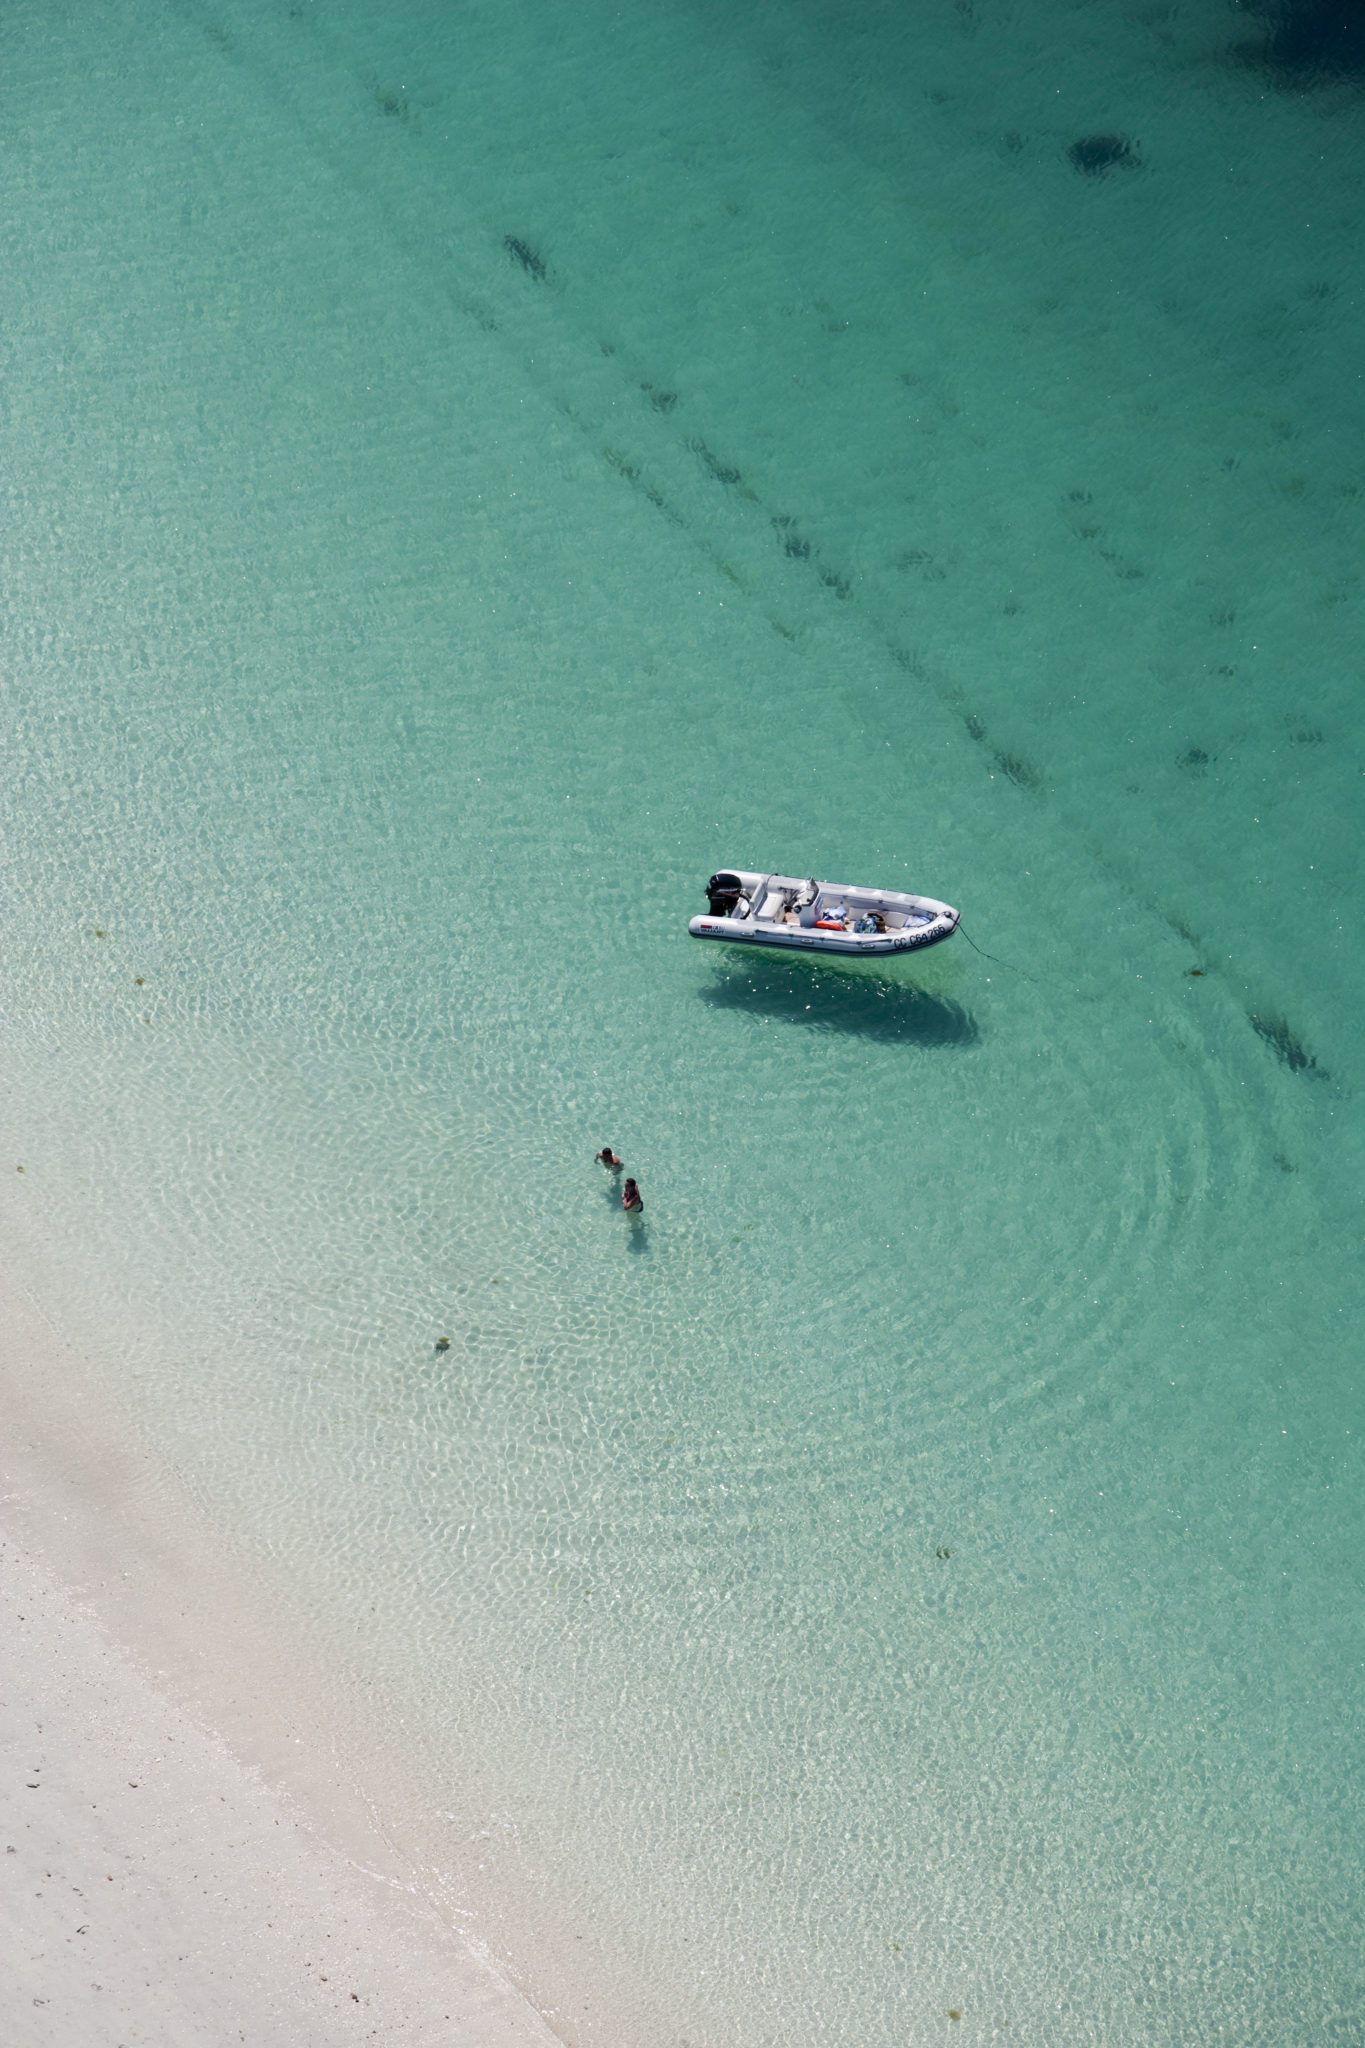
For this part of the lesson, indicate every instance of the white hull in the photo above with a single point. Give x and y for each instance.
(770, 918)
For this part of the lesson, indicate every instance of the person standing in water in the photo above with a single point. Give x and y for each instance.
(606, 1157)
(631, 1198)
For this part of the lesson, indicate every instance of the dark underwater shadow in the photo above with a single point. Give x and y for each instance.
(1309, 41)
(858, 1004)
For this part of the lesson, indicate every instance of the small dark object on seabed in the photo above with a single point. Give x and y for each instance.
(443, 1343)
(1093, 155)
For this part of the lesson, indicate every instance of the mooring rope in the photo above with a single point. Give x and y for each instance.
(991, 956)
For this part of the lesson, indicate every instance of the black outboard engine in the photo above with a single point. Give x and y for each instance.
(724, 891)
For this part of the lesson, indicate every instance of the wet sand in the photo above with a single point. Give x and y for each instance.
(186, 1858)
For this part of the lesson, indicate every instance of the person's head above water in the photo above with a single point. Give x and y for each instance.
(631, 1197)
(609, 1158)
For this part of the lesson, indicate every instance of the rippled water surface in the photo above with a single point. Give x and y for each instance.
(472, 471)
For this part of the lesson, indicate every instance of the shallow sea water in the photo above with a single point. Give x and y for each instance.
(469, 473)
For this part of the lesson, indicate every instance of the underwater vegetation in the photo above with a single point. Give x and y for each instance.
(1020, 772)
(525, 255)
(1093, 155)
(393, 101)
(792, 543)
(723, 472)
(1286, 1045)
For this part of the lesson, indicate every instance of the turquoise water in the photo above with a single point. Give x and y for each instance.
(470, 472)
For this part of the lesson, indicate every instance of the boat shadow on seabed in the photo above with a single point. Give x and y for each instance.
(801, 993)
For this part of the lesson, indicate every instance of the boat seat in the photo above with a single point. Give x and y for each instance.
(772, 904)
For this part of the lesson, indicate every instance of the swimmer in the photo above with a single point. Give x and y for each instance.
(631, 1198)
(606, 1157)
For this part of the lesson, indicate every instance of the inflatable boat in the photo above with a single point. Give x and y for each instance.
(750, 909)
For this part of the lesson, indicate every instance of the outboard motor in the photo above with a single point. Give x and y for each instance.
(724, 891)
(808, 903)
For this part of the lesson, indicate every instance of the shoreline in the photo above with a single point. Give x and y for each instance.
(191, 1840)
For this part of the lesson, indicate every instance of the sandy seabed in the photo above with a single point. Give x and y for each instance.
(172, 1874)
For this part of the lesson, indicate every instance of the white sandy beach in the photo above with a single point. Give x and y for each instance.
(164, 1883)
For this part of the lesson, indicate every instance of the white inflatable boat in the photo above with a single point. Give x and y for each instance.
(819, 917)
